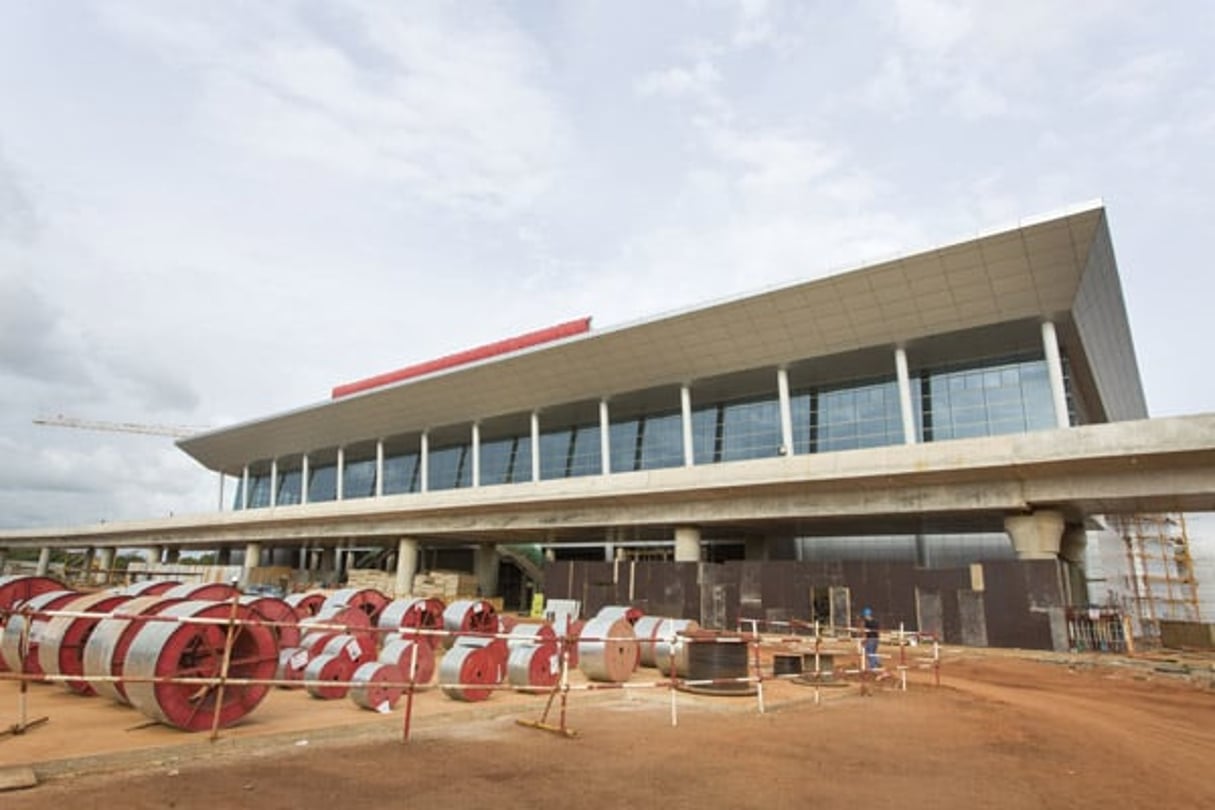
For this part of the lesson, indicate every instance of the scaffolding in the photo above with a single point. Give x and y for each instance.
(1160, 571)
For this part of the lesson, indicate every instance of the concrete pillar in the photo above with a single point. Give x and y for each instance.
(905, 406)
(244, 487)
(550, 554)
(605, 438)
(156, 554)
(305, 474)
(756, 549)
(90, 555)
(609, 552)
(685, 411)
(329, 558)
(253, 558)
(407, 565)
(303, 557)
(687, 544)
(274, 482)
(475, 449)
(379, 468)
(340, 478)
(923, 554)
(221, 491)
(223, 555)
(44, 561)
(424, 463)
(172, 554)
(1054, 370)
(1072, 550)
(1036, 536)
(105, 562)
(535, 430)
(786, 411)
(486, 564)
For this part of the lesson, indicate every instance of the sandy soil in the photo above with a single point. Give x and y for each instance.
(1001, 732)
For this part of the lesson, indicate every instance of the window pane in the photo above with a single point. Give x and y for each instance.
(288, 487)
(449, 468)
(401, 474)
(359, 479)
(323, 486)
(751, 430)
(661, 442)
(623, 438)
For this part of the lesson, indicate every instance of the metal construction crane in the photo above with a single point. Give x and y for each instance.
(175, 431)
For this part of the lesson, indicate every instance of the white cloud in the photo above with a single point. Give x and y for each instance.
(1142, 76)
(449, 107)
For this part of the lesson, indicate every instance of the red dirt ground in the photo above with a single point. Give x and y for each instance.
(1001, 732)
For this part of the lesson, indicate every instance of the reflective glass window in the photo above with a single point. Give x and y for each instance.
(706, 435)
(506, 461)
(802, 408)
(750, 430)
(449, 467)
(259, 491)
(1009, 397)
(323, 486)
(570, 452)
(661, 441)
(859, 416)
(401, 474)
(625, 452)
(359, 479)
(288, 487)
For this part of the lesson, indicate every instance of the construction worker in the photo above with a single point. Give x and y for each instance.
(870, 622)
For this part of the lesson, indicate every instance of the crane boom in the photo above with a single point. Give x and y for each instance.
(175, 431)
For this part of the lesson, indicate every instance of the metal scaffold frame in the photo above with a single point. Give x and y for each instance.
(1160, 571)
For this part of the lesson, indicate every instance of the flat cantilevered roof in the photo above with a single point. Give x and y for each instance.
(1031, 270)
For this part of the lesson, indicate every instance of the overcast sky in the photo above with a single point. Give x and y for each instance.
(213, 211)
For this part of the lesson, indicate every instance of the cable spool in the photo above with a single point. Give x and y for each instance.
(105, 653)
(10, 641)
(421, 613)
(292, 662)
(149, 587)
(463, 669)
(709, 657)
(359, 649)
(368, 600)
(466, 616)
(280, 615)
(350, 617)
(163, 649)
(669, 643)
(645, 628)
(64, 638)
(335, 671)
(534, 668)
(400, 651)
(16, 589)
(529, 635)
(607, 650)
(314, 643)
(206, 591)
(305, 605)
(369, 687)
(496, 647)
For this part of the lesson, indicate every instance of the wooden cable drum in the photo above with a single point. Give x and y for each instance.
(607, 650)
(715, 657)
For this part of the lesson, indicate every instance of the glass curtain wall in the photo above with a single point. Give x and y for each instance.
(1009, 397)
(401, 473)
(570, 452)
(288, 487)
(506, 461)
(734, 431)
(648, 442)
(449, 467)
(358, 480)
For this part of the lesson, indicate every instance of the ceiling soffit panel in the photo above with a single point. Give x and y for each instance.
(960, 286)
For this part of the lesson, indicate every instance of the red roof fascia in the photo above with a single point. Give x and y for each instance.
(511, 344)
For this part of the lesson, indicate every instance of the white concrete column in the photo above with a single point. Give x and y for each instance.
(786, 411)
(274, 482)
(905, 407)
(329, 557)
(486, 563)
(1036, 536)
(379, 468)
(340, 481)
(302, 562)
(1073, 544)
(535, 445)
(221, 491)
(1054, 370)
(305, 474)
(44, 561)
(253, 557)
(687, 544)
(407, 565)
(685, 411)
(605, 438)
(105, 562)
(244, 487)
(424, 463)
(476, 454)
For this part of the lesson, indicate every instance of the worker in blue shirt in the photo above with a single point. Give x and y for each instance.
(870, 622)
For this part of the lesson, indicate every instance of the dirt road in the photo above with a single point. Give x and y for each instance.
(1000, 733)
